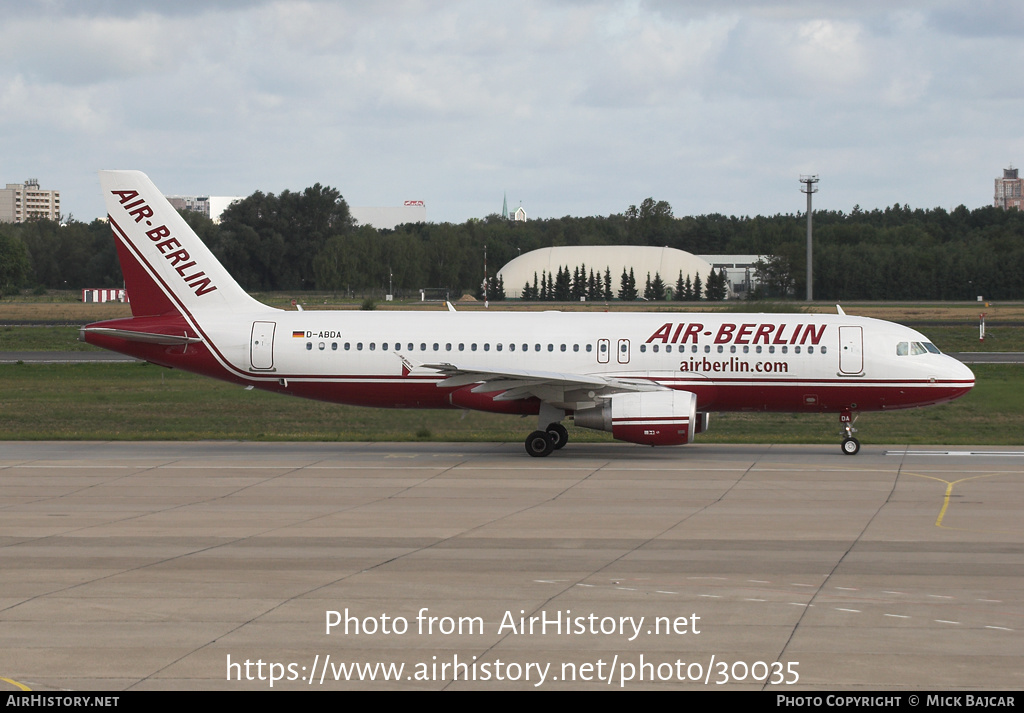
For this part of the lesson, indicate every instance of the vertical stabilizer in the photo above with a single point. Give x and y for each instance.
(166, 266)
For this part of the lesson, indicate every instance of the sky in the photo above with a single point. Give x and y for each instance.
(567, 107)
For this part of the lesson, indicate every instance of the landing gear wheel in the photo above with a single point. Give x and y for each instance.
(539, 444)
(851, 446)
(559, 435)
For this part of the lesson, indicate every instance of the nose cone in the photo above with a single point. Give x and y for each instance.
(959, 377)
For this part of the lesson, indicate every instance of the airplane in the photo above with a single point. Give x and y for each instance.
(647, 377)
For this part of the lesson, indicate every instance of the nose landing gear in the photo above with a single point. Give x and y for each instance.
(850, 445)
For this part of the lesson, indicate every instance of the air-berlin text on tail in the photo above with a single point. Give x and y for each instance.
(729, 333)
(168, 246)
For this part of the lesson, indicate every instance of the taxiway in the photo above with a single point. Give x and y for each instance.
(159, 565)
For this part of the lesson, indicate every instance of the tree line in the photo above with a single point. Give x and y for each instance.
(579, 285)
(307, 240)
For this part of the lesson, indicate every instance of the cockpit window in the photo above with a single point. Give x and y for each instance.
(916, 348)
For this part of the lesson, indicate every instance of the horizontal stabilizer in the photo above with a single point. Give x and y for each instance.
(146, 337)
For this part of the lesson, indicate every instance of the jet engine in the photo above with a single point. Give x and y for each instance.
(653, 418)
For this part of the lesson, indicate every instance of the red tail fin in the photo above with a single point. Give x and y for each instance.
(145, 297)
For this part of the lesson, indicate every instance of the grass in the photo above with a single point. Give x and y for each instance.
(965, 339)
(42, 339)
(146, 402)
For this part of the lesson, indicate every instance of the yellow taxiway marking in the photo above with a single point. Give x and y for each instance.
(950, 484)
(22, 686)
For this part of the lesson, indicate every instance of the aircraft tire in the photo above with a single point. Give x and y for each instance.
(850, 446)
(559, 435)
(539, 444)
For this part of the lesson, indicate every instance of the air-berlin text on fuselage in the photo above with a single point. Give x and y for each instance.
(729, 333)
(166, 244)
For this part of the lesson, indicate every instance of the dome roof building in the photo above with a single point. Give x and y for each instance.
(666, 262)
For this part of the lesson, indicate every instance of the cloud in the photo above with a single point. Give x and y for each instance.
(576, 107)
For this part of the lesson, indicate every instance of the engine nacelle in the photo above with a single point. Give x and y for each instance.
(653, 418)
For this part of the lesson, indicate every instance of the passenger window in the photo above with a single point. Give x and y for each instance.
(347, 345)
(643, 348)
(487, 346)
(373, 346)
(423, 346)
(322, 345)
(563, 347)
(654, 348)
(551, 347)
(472, 347)
(575, 347)
(334, 346)
(309, 346)
(824, 350)
(359, 346)
(436, 346)
(384, 346)
(448, 347)
(590, 347)
(462, 347)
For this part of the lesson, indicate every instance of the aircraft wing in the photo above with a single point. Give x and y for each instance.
(564, 390)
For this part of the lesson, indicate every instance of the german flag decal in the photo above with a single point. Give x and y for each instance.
(298, 335)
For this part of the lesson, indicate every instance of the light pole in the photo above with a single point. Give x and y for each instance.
(809, 189)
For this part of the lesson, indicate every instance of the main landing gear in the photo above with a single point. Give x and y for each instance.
(850, 445)
(547, 438)
(542, 443)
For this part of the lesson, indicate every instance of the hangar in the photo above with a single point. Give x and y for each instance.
(667, 262)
